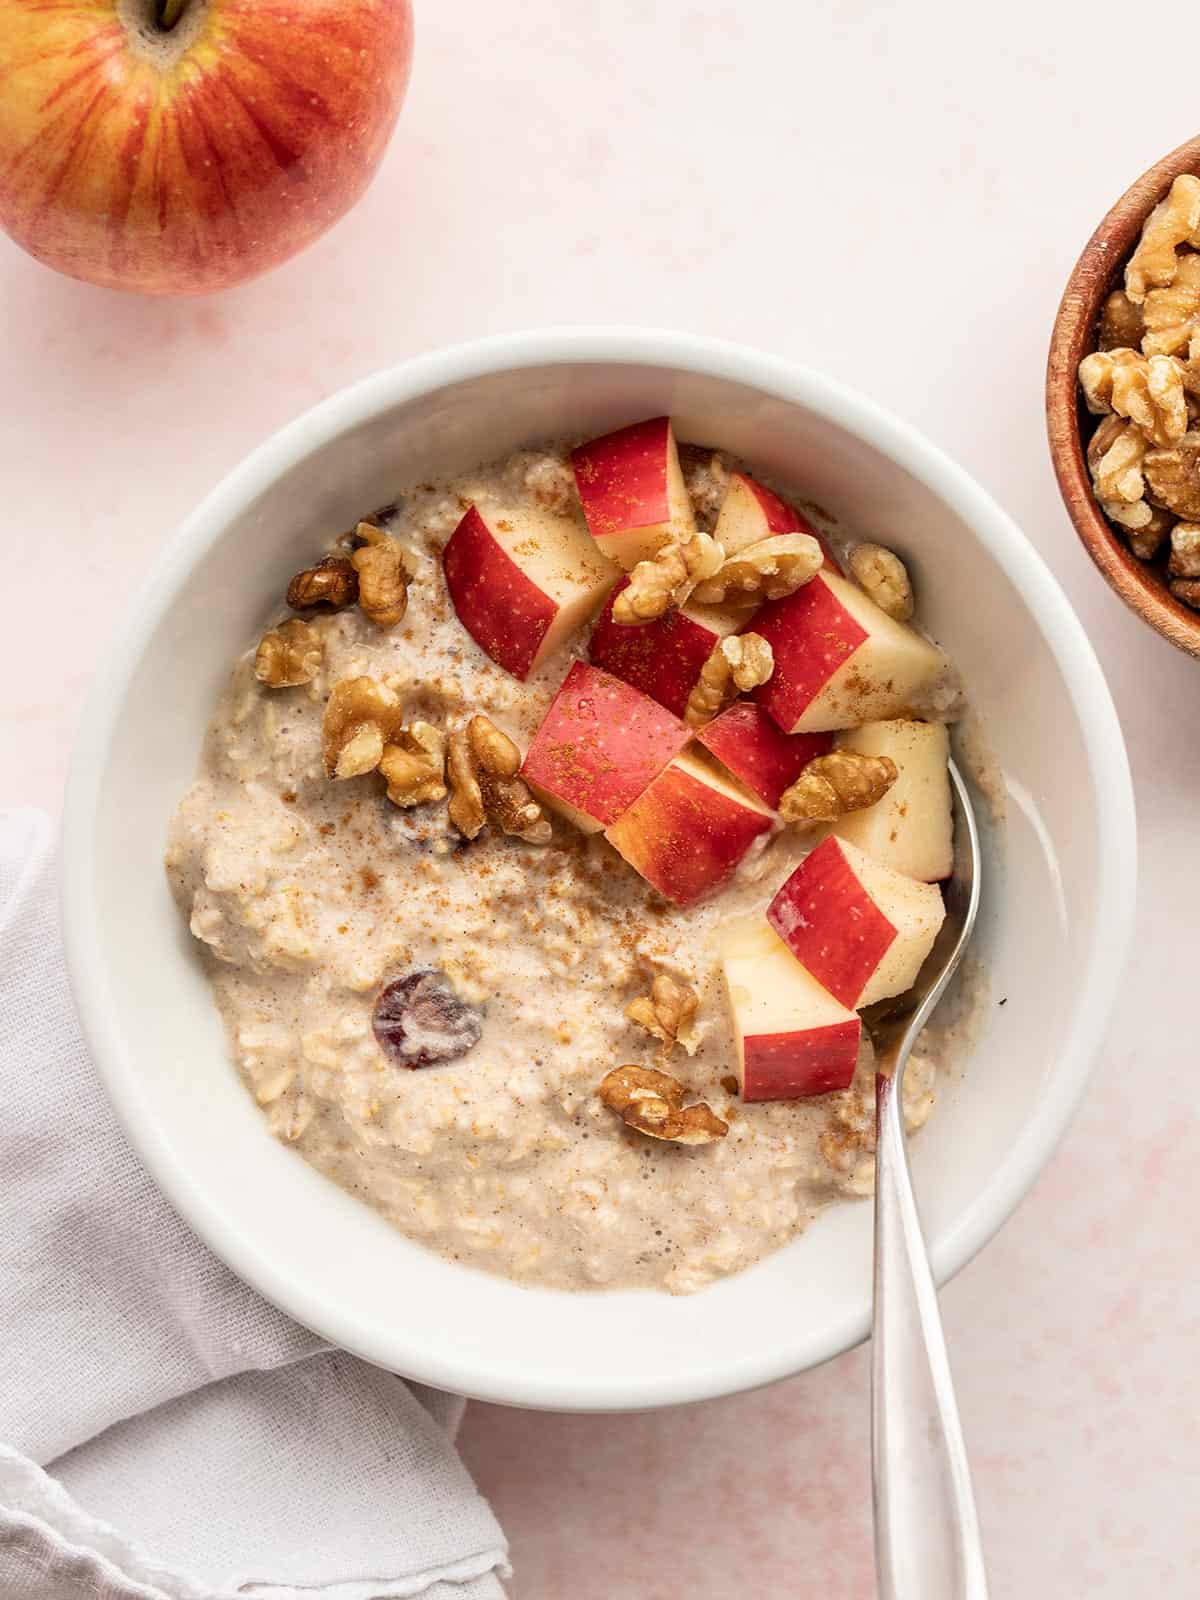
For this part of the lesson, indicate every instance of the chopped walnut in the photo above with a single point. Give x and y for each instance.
(1170, 315)
(362, 716)
(1146, 370)
(1173, 477)
(414, 765)
(666, 580)
(288, 654)
(739, 663)
(1147, 541)
(1097, 373)
(623, 1086)
(481, 768)
(332, 582)
(1174, 221)
(652, 1102)
(1184, 560)
(1120, 322)
(697, 1124)
(767, 570)
(832, 785)
(668, 1012)
(383, 576)
(1149, 391)
(1187, 590)
(885, 578)
(1115, 455)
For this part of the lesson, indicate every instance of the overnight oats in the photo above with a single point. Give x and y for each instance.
(548, 847)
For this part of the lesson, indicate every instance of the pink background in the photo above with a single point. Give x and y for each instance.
(895, 199)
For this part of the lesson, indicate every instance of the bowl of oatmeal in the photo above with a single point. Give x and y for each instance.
(527, 732)
(1123, 397)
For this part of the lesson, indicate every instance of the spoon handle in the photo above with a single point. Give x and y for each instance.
(927, 1543)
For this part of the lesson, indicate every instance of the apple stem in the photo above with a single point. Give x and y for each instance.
(168, 13)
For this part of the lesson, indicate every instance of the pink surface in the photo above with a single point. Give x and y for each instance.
(563, 163)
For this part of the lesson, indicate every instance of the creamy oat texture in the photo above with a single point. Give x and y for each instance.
(310, 894)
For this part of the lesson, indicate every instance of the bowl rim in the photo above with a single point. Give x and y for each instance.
(1109, 938)
(1072, 336)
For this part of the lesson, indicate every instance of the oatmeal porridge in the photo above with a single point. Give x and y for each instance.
(545, 852)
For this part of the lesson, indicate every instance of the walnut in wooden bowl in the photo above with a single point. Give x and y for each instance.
(1125, 441)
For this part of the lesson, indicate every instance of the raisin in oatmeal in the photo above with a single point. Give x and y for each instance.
(502, 983)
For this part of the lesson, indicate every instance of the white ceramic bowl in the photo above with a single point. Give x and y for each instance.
(1054, 932)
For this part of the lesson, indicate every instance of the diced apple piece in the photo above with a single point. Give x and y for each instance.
(911, 829)
(839, 660)
(601, 744)
(793, 1038)
(632, 489)
(746, 741)
(861, 929)
(689, 830)
(523, 582)
(663, 658)
(750, 512)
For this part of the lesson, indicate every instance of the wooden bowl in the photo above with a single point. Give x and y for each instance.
(1141, 584)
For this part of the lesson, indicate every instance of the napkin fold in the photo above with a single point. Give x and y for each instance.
(165, 1434)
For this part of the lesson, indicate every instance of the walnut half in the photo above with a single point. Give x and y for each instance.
(652, 1102)
(1115, 454)
(737, 664)
(1174, 221)
(362, 716)
(383, 576)
(664, 582)
(767, 570)
(1184, 560)
(884, 577)
(331, 582)
(481, 768)
(1173, 477)
(668, 1012)
(414, 765)
(1148, 391)
(288, 654)
(832, 785)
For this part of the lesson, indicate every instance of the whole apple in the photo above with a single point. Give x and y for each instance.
(181, 146)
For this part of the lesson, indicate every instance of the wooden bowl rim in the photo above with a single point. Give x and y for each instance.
(1073, 336)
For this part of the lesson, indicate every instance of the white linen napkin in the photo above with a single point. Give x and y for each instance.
(165, 1434)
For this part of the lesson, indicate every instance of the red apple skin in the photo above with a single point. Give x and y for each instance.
(830, 923)
(750, 744)
(781, 517)
(258, 126)
(601, 744)
(663, 658)
(622, 477)
(684, 837)
(505, 614)
(811, 634)
(791, 1066)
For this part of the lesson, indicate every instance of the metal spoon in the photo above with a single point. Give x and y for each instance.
(927, 1543)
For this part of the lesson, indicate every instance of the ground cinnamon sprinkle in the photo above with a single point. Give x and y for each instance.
(550, 946)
